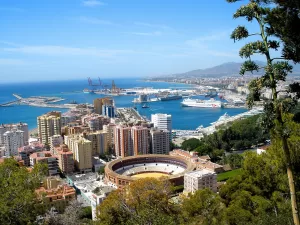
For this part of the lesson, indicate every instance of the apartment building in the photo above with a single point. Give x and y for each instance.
(19, 126)
(49, 124)
(99, 142)
(82, 152)
(162, 121)
(123, 141)
(200, 179)
(47, 158)
(12, 141)
(65, 159)
(160, 141)
(140, 139)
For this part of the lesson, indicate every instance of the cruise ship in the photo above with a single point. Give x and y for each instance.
(212, 103)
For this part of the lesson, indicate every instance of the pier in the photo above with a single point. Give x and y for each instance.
(39, 101)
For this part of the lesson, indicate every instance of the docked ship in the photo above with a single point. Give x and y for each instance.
(171, 97)
(212, 103)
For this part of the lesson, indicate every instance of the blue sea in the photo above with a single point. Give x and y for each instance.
(182, 117)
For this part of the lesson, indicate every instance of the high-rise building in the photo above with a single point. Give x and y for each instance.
(123, 141)
(108, 110)
(162, 121)
(99, 102)
(140, 140)
(82, 152)
(13, 140)
(110, 130)
(65, 159)
(99, 142)
(19, 126)
(160, 141)
(48, 125)
(200, 179)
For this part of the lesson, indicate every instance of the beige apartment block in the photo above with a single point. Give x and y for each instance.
(49, 124)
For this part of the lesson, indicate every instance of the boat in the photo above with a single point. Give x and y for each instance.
(87, 91)
(211, 103)
(145, 106)
(171, 97)
(73, 102)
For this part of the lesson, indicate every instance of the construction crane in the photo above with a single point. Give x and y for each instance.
(90, 82)
(114, 88)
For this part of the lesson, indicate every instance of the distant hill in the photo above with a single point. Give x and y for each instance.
(226, 69)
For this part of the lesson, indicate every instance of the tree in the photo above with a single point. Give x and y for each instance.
(73, 214)
(234, 160)
(275, 71)
(258, 193)
(145, 201)
(285, 22)
(18, 202)
(203, 207)
(190, 144)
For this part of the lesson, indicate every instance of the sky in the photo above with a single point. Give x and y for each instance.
(74, 39)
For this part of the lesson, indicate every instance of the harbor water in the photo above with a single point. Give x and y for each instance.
(185, 118)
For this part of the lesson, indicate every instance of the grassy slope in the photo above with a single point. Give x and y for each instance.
(226, 175)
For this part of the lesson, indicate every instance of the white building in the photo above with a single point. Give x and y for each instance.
(200, 179)
(92, 189)
(19, 126)
(160, 141)
(13, 140)
(162, 121)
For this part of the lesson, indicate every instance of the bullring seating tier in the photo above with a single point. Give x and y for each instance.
(150, 167)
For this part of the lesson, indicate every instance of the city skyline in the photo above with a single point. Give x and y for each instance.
(52, 40)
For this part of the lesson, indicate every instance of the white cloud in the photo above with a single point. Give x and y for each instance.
(154, 33)
(54, 50)
(93, 20)
(12, 62)
(92, 3)
(200, 42)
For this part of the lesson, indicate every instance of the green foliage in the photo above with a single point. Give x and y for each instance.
(229, 174)
(18, 202)
(234, 160)
(177, 189)
(235, 137)
(86, 212)
(145, 201)
(101, 170)
(203, 207)
(190, 144)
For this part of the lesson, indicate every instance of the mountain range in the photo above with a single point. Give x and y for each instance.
(226, 69)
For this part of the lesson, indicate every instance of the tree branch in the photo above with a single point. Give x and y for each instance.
(254, 34)
(277, 58)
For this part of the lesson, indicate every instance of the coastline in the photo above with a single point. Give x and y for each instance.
(33, 131)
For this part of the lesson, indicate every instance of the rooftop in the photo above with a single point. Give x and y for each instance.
(199, 173)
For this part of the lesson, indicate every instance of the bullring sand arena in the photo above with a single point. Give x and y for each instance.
(151, 174)
(121, 172)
